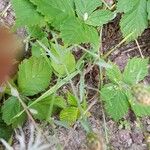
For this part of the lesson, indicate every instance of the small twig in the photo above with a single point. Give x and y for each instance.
(84, 49)
(105, 3)
(139, 48)
(17, 95)
(112, 50)
(132, 49)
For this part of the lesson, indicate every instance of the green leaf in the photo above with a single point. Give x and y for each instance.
(56, 11)
(135, 71)
(5, 131)
(140, 110)
(148, 9)
(116, 103)
(37, 50)
(26, 13)
(69, 115)
(135, 21)
(34, 76)
(126, 5)
(99, 17)
(71, 99)
(60, 102)
(114, 73)
(74, 31)
(36, 32)
(84, 7)
(43, 107)
(65, 61)
(10, 109)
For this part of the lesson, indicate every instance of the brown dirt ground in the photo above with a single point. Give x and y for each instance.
(121, 137)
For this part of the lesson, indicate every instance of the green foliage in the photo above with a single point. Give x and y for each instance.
(55, 11)
(148, 9)
(56, 25)
(135, 21)
(72, 101)
(139, 109)
(64, 62)
(116, 103)
(43, 107)
(34, 76)
(87, 6)
(37, 50)
(114, 73)
(61, 15)
(69, 115)
(36, 32)
(11, 108)
(119, 95)
(5, 131)
(126, 5)
(75, 107)
(99, 17)
(24, 10)
(135, 71)
(75, 31)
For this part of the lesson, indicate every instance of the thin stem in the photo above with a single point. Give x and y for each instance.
(23, 104)
(84, 49)
(112, 50)
(106, 4)
(139, 48)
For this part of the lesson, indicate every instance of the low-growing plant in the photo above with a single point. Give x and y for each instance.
(125, 91)
(55, 29)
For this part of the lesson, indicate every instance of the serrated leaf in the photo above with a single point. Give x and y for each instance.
(65, 60)
(126, 5)
(56, 11)
(43, 107)
(69, 115)
(71, 99)
(34, 76)
(26, 13)
(148, 9)
(84, 7)
(99, 17)
(113, 73)
(116, 103)
(135, 21)
(10, 109)
(135, 70)
(74, 31)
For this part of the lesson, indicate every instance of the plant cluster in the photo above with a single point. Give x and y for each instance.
(55, 29)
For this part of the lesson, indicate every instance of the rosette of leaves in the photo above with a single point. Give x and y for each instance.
(119, 95)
